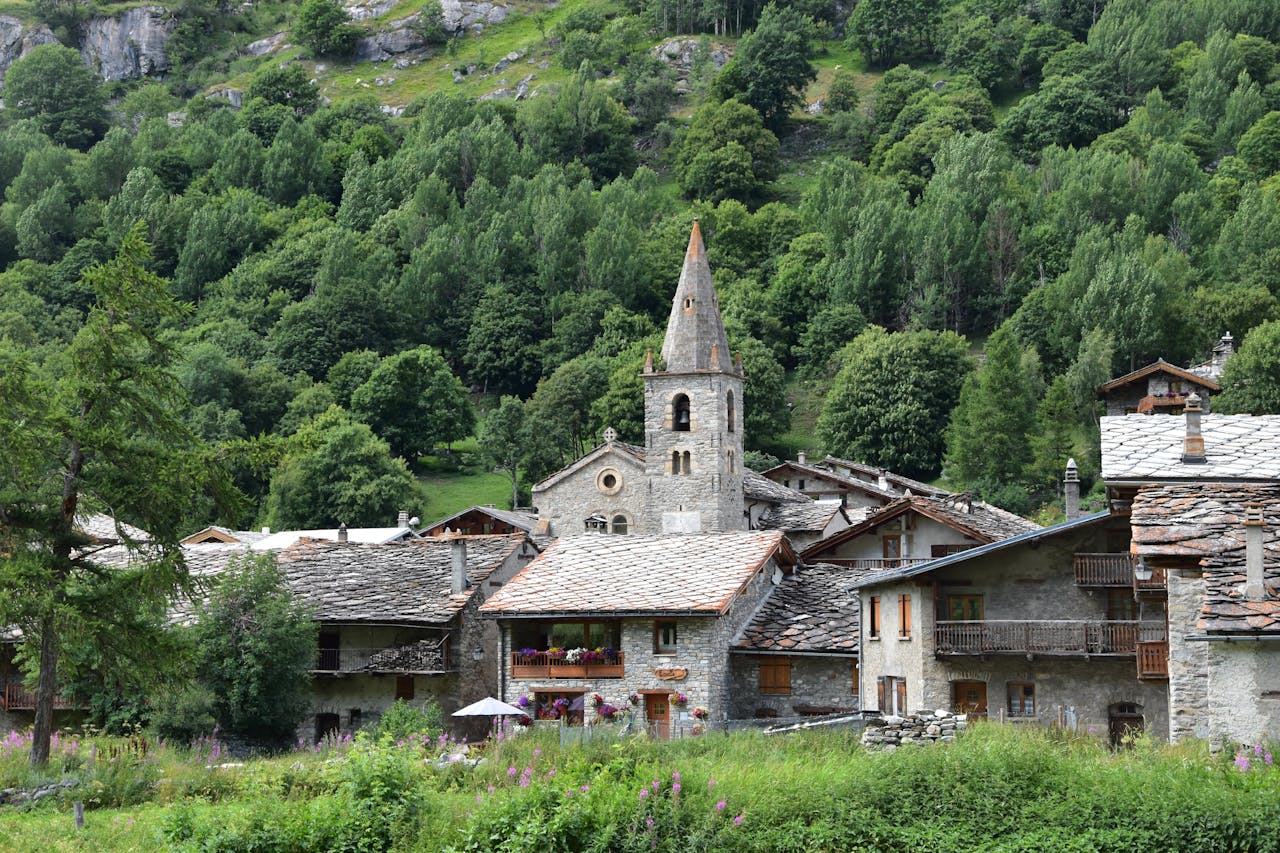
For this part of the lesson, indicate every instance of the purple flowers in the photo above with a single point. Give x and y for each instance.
(720, 806)
(1242, 761)
(522, 702)
(644, 793)
(737, 821)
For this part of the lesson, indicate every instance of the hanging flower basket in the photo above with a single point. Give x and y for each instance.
(679, 699)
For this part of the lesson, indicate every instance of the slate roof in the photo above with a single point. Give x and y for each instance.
(810, 516)
(398, 582)
(758, 487)
(215, 533)
(976, 519)
(1159, 366)
(814, 472)
(692, 574)
(1206, 521)
(102, 527)
(917, 487)
(1145, 448)
(812, 611)
(359, 535)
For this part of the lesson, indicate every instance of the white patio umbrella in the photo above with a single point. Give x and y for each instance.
(490, 707)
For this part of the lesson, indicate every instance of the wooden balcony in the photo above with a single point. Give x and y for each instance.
(1058, 637)
(543, 665)
(876, 563)
(16, 697)
(424, 657)
(1156, 585)
(1153, 660)
(1104, 570)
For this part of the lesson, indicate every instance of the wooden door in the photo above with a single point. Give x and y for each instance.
(1125, 720)
(969, 697)
(657, 713)
(326, 725)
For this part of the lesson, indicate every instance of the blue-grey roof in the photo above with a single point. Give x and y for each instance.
(953, 559)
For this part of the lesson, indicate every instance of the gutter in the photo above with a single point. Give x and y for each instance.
(1231, 638)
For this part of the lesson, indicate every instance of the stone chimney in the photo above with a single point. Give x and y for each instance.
(1253, 530)
(1071, 490)
(342, 532)
(882, 481)
(801, 458)
(1224, 349)
(402, 519)
(458, 564)
(1193, 444)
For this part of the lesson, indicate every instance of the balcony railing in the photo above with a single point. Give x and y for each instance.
(544, 665)
(1045, 637)
(18, 698)
(875, 563)
(422, 657)
(1153, 659)
(1104, 570)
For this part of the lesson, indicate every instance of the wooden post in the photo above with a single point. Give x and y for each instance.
(78, 808)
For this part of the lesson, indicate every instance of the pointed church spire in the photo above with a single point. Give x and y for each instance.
(695, 329)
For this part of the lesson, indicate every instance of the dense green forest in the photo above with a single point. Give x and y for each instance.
(1079, 186)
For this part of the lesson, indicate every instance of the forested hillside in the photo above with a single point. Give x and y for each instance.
(376, 264)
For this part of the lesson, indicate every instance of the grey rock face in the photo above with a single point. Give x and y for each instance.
(270, 44)
(363, 9)
(678, 53)
(378, 47)
(129, 45)
(461, 15)
(17, 40)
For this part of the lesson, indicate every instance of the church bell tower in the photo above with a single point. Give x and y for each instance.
(693, 411)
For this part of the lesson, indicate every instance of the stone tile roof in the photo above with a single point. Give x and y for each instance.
(400, 582)
(814, 610)
(976, 519)
(1145, 447)
(814, 472)
(1205, 521)
(757, 487)
(102, 527)
(811, 516)
(638, 574)
(916, 487)
(1159, 366)
(357, 535)
(215, 533)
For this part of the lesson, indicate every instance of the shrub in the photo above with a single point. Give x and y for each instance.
(404, 720)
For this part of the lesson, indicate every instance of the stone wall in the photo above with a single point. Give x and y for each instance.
(1243, 692)
(569, 502)
(711, 489)
(1188, 662)
(921, 728)
(916, 542)
(816, 682)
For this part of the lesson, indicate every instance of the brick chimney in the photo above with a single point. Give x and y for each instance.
(1193, 444)
(342, 532)
(458, 564)
(1253, 530)
(1071, 490)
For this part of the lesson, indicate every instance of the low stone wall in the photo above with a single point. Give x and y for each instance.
(892, 732)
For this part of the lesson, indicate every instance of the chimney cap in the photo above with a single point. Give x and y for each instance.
(1193, 400)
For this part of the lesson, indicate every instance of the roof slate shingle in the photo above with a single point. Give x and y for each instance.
(809, 516)
(1147, 447)
(599, 573)
(814, 610)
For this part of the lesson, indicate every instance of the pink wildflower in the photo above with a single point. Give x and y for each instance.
(644, 792)
(586, 788)
(720, 806)
(675, 787)
(737, 821)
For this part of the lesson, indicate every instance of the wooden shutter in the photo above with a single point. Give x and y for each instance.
(856, 686)
(880, 694)
(775, 675)
(904, 615)
(902, 695)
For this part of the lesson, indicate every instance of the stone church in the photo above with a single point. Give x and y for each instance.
(689, 476)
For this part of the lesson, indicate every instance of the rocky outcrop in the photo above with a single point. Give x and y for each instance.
(18, 39)
(891, 732)
(129, 45)
(460, 15)
(678, 52)
(270, 44)
(399, 38)
(360, 10)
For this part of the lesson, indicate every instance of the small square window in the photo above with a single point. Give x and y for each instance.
(664, 637)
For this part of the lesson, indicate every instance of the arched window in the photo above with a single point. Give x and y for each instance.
(675, 462)
(687, 467)
(619, 524)
(732, 412)
(680, 413)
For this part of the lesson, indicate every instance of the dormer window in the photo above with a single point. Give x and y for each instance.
(680, 413)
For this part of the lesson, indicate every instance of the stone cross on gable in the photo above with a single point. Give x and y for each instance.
(610, 435)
